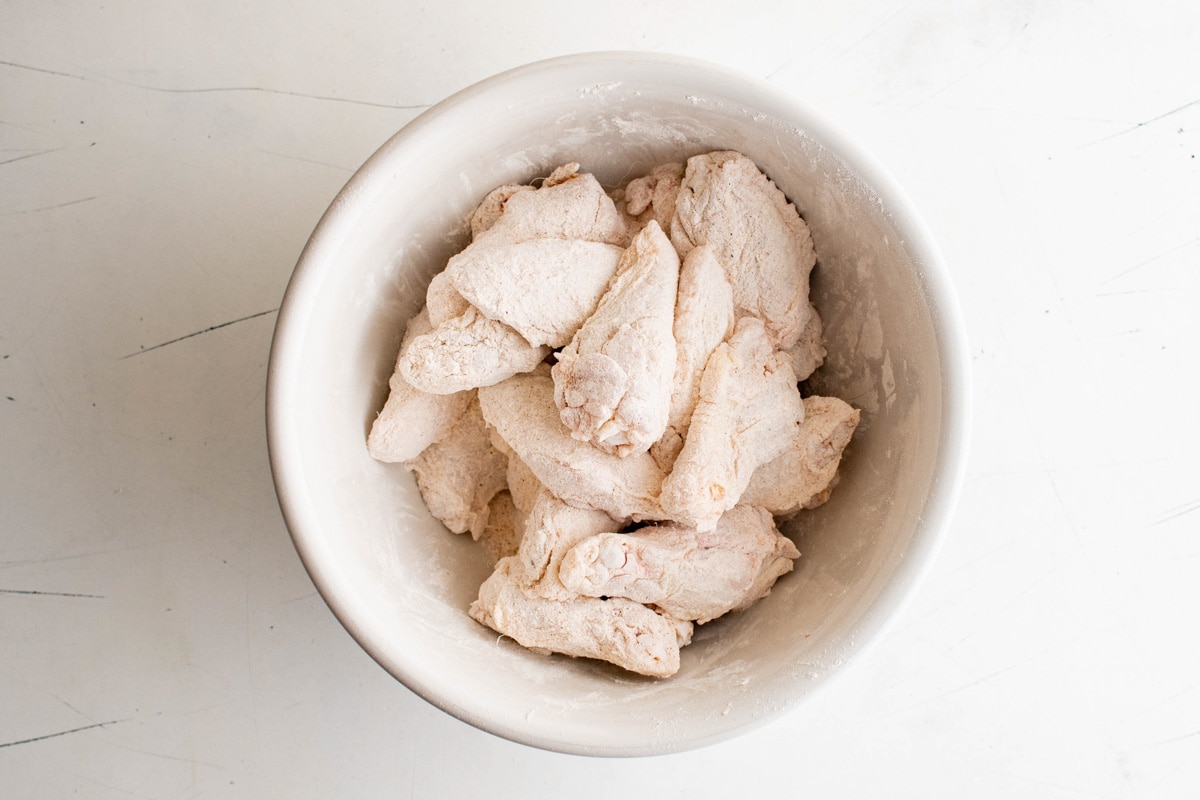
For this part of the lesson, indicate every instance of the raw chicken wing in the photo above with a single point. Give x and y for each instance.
(411, 419)
(808, 353)
(651, 197)
(616, 630)
(443, 300)
(703, 319)
(612, 383)
(466, 352)
(544, 288)
(523, 484)
(522, 411)
(685, 573)
(757, 236)
(802, 476)
(492, 206)
(570, 205)
(551, 529)
(747, 413)
(505, 523)
(460, 474)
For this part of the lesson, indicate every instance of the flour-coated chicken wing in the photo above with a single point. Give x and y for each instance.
(411, 419)
(620, 631)
(492, 206)
(466, 352)
(501, 537)
(703, 319)
(522, 411)
(459, 474)
(685, 573)
(612, 383)
(757, 236)
(543, 288)
(569, 205)
(808, 353)
(748, 410)
(650, 197)
(803, 474)
(553, 527)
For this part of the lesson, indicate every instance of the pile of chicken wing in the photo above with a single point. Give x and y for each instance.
(603, 390)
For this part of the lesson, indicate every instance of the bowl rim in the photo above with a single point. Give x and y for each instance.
(342, 215)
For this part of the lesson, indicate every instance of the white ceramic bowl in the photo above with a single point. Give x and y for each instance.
(401, 583)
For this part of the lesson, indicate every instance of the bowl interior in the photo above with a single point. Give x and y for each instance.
(401, 583)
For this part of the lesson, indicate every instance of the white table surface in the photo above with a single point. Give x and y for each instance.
(161, 166)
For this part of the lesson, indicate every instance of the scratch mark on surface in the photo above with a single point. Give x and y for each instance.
(8, 124)
(258, 397)
(305, 160)
(1169, 700)
(975, 682)
(68, 705)
(41, 70)
(298, 599)
(250, 676)
(267, 90)
(1131, 291)
(1179, 511)
(987, 59)
(1191, 735)
(49, 208)
(1011, 113)
(60, 733)
(198, 333)
(51, 594)
(120, 789)
(893, 11)
(1063, 506)
(184, 759)
(1151, 260)
(1150, 121)
(787, 63)
(27, 155)
(1076, 790)
(27, 562)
